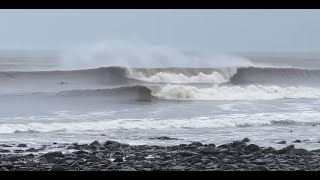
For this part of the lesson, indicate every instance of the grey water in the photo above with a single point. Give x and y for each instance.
(275, 98)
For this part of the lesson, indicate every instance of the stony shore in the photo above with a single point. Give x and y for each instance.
(114, 156)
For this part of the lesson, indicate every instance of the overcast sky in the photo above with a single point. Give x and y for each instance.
(208, 30)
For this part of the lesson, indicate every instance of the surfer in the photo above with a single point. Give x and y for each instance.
(64, 82)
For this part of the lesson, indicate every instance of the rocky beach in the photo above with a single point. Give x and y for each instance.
(116, 156)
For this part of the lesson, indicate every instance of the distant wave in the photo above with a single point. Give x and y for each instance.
(176, 83)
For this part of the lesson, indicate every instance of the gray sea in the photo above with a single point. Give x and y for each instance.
(268, 97)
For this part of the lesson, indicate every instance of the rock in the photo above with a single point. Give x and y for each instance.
(164, 138)
(196, 144)
(31, 150)
(12, 158)
(261, 168)
(53, 154)
(103, 135)
(282, 142)
(118, 159)
(252, 147)
(127, 168)
(297, 141)
(245, 140)
(212, 145)
(6, 165)
(29, 156)
(18, 151)
(124, 145)
(194, 158)
(210, 150)
(316, 151)
(287, 149)
(259, 162)
(57, 168)
(81, 152)
(166, 158)
(178, 168)
(269, 150)
(300, 152)
(22, 145)
(187, 153)
(235, 144)
(4, 151)
(4, 145)
(94, 147)
(231, 166)
(94, 143)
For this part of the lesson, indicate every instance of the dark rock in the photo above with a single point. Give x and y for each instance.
(297, 141)
(235, 144)
(124, 145)
(252, 147)
(53, 154)
(103, 135)
(94, 147)
(187, 153)
(4, 145)
(22, 145)
(282, 142)
(111, 142)
(6, 165)
(212, 145)
(118, 159)
(18, 151)
(4, 151)
(31, 150)
(315, 151)
(12, 158)
(54, 143)
(95, 143)
(261, 168)
(194, 158)
(231, 166)
(300, 152)
(259, 162)
(81, 152)
(287, 149)
(57, 168)
(166, 158)
(196, 144)
(164, 138)
(29, 156)
(210, 150)
(178, 168)
(245, 140)
(269, 150)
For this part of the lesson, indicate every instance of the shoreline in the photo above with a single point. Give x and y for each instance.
(116, 156)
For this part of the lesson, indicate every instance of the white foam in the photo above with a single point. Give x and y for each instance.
(217, 121)
(251, 92)
(163, 77)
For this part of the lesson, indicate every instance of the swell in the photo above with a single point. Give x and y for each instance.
(285, 76)
(137, 92)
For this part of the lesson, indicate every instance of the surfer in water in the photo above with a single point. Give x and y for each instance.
(63, 82)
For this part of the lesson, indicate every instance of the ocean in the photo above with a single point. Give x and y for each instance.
(131, 98)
